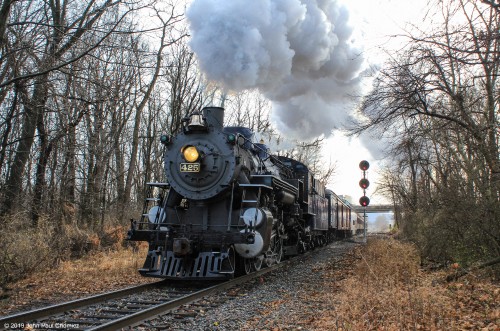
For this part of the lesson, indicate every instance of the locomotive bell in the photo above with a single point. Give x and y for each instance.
(196, 121)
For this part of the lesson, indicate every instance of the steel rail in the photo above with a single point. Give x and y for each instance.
(27, 316)
(143, 315)
(136, 318)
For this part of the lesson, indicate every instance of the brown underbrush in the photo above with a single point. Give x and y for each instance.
(388, 290)
(379, 286)
(95, 273)
(25, 250)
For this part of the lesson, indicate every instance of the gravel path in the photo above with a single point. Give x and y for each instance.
(285, 299)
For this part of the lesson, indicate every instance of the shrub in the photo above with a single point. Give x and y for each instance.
(24, 249)
(387, 292)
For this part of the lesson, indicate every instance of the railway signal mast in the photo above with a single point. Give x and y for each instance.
(364, 201)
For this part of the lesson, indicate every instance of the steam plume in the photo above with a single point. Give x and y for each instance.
(298, 53)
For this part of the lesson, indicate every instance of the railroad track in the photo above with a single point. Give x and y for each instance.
(118, 309)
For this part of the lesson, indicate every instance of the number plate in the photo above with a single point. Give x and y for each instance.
(190, 167)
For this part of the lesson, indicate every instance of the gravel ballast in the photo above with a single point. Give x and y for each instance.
(282, 300)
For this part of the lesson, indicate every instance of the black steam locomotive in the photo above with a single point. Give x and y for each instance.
(230, 207)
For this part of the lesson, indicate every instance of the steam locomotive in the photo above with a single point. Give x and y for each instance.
(230, 207)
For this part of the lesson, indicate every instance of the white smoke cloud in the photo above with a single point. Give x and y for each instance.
(299, 53)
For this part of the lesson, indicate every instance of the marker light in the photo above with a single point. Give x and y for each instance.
(164, 139)
(231, 138)
(190, 153)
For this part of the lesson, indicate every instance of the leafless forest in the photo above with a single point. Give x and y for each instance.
(438, 100)
(87, 87)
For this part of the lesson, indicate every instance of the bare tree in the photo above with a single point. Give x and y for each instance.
(183, 78)
(310, 153)
(439, 97)
(59, 30)
(166, 40)
(4, 18)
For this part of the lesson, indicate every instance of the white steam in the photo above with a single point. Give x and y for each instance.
(299, 53)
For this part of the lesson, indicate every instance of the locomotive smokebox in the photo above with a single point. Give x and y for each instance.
(214, 116)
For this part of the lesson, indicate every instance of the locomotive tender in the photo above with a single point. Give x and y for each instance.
(230, 207)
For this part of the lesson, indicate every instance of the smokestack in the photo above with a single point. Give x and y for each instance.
(214, 116)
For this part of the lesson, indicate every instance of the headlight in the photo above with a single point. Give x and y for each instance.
(190, 153)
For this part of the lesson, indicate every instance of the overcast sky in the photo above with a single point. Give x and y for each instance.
(376, 21)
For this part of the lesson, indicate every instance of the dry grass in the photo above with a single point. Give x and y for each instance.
(114, 264)
(388, 291)
(25, 250)
(379, 286)
(95, 273)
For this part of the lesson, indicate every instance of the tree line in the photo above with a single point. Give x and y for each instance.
(438, 98)
(80, 100)
(87, 87)
(86, 90)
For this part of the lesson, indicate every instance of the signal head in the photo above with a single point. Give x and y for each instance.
(364, 201)
(364, 183)
(364, 165)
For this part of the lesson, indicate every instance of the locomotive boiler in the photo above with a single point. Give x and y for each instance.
(228, 206)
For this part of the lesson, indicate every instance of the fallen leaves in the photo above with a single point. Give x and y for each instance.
(97, 273)
(376, 287)
(387, 290)
(381, 287)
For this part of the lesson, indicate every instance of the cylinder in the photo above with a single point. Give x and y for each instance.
(254, 217)
(251, 250)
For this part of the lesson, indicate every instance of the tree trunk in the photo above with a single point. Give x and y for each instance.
(8, 128)
(33, 110)
(137, 122)
(41, 167)
(4, 19)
